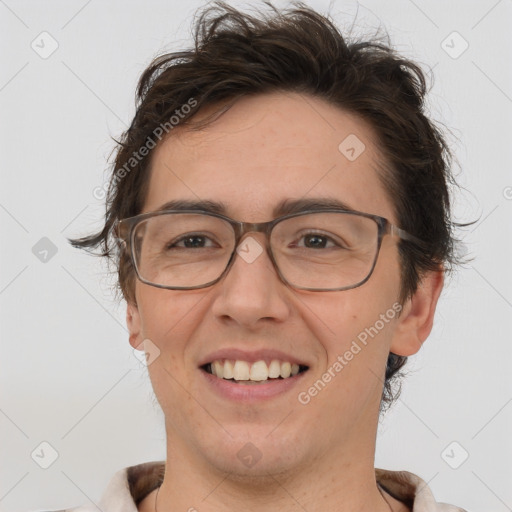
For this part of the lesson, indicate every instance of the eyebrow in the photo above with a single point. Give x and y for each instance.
(186, 204)
(285, 207)
(289, 206)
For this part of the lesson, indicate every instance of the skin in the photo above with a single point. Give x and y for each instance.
(317, 456)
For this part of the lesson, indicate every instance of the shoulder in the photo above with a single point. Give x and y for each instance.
(126, 488)
(412, 490)
(81, 508)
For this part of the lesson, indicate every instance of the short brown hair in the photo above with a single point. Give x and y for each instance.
(296, 50)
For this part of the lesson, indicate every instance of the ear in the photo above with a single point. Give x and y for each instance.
(134, 325)
(417, 316)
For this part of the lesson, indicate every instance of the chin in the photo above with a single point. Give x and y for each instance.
(254, 458)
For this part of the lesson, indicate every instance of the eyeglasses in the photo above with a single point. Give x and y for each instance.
(320, 250)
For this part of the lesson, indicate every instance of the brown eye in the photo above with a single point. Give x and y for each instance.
(191, 242)
(315, 241)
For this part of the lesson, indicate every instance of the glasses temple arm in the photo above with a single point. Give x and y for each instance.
(404, 235)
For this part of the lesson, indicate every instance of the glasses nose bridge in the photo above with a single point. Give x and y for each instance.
(243, 228)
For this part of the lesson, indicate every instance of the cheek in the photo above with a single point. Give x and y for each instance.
(355, 335)
(336, 320)
(168, 319)
(163, 310)
(358, 324)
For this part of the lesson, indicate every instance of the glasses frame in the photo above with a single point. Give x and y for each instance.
(125, 230)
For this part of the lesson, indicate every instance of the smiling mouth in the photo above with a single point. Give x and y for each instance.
(243, 372)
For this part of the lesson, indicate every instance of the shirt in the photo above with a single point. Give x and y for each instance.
(129, 486)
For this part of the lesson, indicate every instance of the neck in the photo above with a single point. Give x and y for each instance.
(331, 485)
(333, 471)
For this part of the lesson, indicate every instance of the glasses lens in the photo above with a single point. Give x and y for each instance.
(325, 250)
(319, 251)
(182, 250)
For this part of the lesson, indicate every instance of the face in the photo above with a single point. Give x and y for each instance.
(263, 151)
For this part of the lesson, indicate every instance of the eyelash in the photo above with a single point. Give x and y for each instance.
(329, 240)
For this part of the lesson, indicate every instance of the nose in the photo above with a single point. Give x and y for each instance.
(251, 293)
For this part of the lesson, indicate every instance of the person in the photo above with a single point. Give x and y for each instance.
(280, 220)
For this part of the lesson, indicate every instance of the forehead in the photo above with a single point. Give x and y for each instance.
(267, 149)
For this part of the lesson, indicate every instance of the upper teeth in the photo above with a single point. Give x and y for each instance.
(242, 370)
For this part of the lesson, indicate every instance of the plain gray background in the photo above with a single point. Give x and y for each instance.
(68, 376)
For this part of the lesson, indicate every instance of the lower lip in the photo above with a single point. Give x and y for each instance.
(250, 392)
